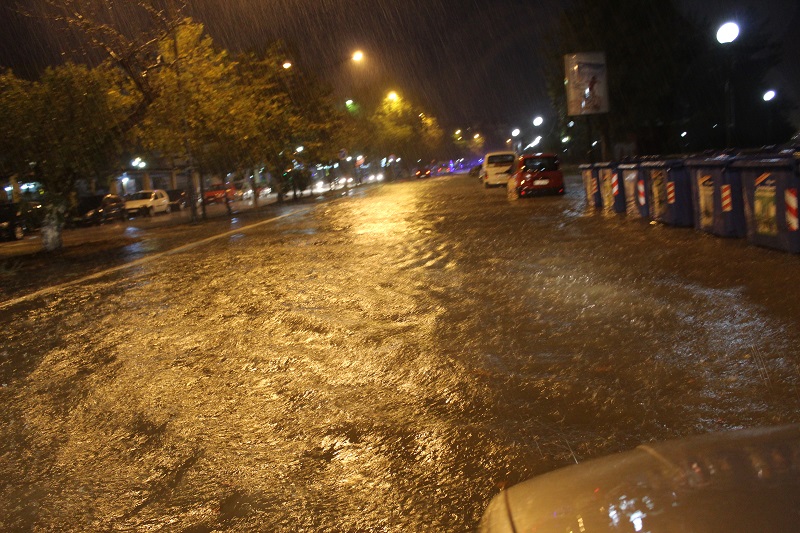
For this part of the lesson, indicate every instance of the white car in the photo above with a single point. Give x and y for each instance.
(147, 203)
(495, 168)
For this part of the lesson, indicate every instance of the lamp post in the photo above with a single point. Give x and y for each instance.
(768, 97)
(726, 34)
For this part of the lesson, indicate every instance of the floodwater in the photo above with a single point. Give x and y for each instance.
(385, 362)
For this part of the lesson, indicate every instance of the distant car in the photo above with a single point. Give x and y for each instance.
(495, 165)
(12, 222)
(243, 193)
(216, 193)
(97, 209)
(422, 173)
(535, 173)
(475, 172)
(263, 191)
(147, 203)
(178, 199)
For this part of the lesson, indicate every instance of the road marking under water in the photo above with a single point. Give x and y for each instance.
(143, 260)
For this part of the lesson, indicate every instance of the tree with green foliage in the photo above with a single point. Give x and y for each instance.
(64, 127)
(403, 129)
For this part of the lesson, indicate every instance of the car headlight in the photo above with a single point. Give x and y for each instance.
(91, 213)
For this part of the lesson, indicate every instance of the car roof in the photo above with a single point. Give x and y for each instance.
(539, 155)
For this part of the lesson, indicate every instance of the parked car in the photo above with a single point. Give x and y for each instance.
(12, 222)
(535, 173)
(97, 209)
(422, 172)
(475, 172)
(178, 199)
(216, 193)
(147, 203)
(243, 192)
(495, 165)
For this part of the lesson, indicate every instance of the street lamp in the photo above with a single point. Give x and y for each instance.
(358, 55)
(538, 121)
(393, 96)
(726, 34)
(287, 65)
(768, 97)
(515, 133)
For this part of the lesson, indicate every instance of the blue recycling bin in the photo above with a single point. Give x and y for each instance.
(591, 186)
(717, 192)
(771, 183)
(669, 192)
(633, 179)
(611, 187)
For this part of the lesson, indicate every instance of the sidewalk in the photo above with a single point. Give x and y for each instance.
(25, 267)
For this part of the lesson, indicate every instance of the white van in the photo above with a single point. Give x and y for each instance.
(495, 165)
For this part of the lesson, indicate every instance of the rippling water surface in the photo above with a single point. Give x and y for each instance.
(385, 362)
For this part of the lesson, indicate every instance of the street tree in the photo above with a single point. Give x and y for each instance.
(64, 127)
(196, 116)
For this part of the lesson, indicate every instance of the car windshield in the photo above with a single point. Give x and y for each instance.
(540, 163)
(8, 211)
(142, 195)
(501, 160)
(92, 202)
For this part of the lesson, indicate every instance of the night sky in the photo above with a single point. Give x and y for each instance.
(466, 61)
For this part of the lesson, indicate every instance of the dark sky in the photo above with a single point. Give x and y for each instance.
(466, 61)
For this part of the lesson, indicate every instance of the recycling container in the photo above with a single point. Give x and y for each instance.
(669, 192)
(611, 189)
(717, 193)
(633, 178)
(591, 186)
(771, 183)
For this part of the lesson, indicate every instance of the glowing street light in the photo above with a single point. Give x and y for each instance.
(348, 103)
(538, 121)
(287, 65)
(727, 33)
(769, 95)
(393, 96)
(458, 132)
(358, 56)
(515, 133)
(476, 136)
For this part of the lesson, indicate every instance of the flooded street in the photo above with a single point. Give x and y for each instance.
(387, 361)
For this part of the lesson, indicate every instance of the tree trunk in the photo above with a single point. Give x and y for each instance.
(53, 225)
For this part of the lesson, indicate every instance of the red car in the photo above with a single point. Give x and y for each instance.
(535, 173)
(216, 193)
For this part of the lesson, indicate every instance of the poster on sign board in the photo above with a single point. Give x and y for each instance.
(586, 81)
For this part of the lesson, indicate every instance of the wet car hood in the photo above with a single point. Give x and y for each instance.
(737, 481)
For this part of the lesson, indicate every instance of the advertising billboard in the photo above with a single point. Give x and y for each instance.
(586, 81)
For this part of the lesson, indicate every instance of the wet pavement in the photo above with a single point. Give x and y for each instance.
(387, 361)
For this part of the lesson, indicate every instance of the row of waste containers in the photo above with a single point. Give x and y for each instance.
(746, 195)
